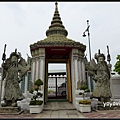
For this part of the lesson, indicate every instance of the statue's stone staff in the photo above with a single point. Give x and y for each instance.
(110, 66)
(3, 58)
(108, 56)
(4, 55)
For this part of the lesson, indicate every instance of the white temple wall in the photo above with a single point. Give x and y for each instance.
(38, 67)
(77, 71)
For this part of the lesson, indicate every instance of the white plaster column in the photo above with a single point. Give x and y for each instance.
(80, 71)
(42, 64)
(42, 70)
(26, 83)
(83, 70)
(41, 67)
(42, 74)
(37, 63)
(33, 70)
(76, 72)
(73, 76)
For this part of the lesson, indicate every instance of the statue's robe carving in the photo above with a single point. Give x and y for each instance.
(13, 70)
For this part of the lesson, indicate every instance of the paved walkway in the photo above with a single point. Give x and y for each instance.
(103, 114)
(59, 110)
(59, 106)
(65, 110)
(60, 114)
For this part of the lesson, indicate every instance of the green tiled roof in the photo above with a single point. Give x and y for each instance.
(57, 40)
(57, 35)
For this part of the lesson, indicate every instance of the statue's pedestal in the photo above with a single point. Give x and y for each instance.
(10, 110)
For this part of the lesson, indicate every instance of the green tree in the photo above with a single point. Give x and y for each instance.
(117, 65)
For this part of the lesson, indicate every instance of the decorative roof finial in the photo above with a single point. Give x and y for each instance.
(56, 26)
(56, 7)
(56, 4)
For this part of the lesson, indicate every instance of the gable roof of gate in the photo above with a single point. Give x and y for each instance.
(57, 35)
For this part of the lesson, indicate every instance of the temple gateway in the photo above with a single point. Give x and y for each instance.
(57, 48)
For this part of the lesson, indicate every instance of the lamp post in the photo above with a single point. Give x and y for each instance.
(87, 30)
(84, 35)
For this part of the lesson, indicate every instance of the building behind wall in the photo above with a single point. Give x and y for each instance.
(115, 87)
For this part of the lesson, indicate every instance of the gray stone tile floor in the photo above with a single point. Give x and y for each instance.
(65, 110)
(59, 110)
(60, 114)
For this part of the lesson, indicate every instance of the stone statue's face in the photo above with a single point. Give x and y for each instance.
(14, 59)
(100, 59)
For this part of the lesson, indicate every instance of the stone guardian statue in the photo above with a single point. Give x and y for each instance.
(14, 68)
(101, 75)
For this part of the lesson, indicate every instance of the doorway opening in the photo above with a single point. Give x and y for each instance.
(57, 81)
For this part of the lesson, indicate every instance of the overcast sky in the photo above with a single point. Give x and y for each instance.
(24, 23)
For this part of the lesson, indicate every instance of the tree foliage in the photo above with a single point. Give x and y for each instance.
(34, 100)
(117, 65)
(38, 82)
(84, 87)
